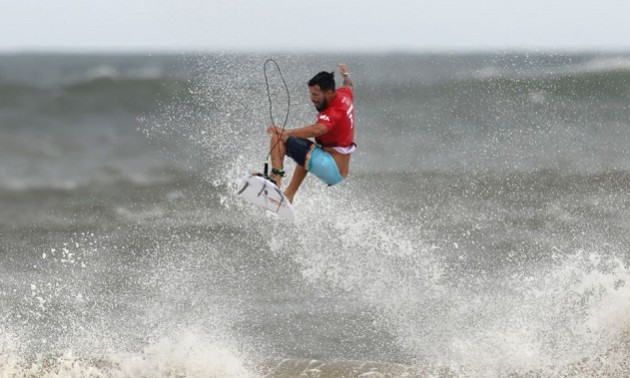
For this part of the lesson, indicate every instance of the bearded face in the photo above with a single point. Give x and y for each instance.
(318, 98)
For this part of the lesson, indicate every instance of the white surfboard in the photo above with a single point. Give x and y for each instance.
(264, 193)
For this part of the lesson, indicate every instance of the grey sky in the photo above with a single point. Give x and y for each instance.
(324, 25)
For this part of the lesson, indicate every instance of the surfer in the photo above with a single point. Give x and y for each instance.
(329, 157)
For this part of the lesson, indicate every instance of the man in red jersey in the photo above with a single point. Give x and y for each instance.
(329, 157)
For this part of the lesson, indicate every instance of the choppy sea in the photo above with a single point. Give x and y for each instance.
(484, 230)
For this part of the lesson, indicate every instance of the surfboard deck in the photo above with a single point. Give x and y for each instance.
(264, 193)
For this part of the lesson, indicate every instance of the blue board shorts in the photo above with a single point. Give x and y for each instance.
(321, 163)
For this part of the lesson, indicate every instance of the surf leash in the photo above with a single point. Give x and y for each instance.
(273, 122)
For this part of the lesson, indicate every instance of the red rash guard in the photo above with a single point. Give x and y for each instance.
(338, 118)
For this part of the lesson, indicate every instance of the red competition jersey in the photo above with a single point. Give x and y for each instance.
(338, 118)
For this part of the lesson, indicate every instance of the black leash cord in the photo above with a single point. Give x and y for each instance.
(286, 119)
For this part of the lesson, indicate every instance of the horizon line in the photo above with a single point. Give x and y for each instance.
(353, 52)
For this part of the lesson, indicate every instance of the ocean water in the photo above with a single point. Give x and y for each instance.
(483, 231)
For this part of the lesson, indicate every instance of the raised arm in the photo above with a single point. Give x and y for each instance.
(343, 70)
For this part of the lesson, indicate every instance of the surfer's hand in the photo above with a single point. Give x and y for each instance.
(343, 69)
(274, 130)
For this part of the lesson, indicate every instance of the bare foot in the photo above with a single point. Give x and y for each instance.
(289, 195)
(277, 179)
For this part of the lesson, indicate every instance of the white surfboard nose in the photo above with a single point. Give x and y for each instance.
(264, 193)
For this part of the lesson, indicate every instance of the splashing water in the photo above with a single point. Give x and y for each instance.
(453, 249)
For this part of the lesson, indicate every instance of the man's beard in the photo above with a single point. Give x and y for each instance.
(322, 107)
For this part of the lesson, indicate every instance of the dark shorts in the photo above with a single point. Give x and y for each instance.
(298, 148)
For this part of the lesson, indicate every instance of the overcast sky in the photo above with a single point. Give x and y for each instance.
(324, 25)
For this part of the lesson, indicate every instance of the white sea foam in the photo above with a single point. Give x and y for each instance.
(190, 353)
(495, 323)
(545, 317)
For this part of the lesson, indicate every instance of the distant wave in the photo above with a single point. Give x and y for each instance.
(597, 65)
(93, 180)
(113, 72)
(91, 85)
(601, 76)
(569, 82)
(606, 64)
(122, 84)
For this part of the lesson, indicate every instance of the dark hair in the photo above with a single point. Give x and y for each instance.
(325, 80)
